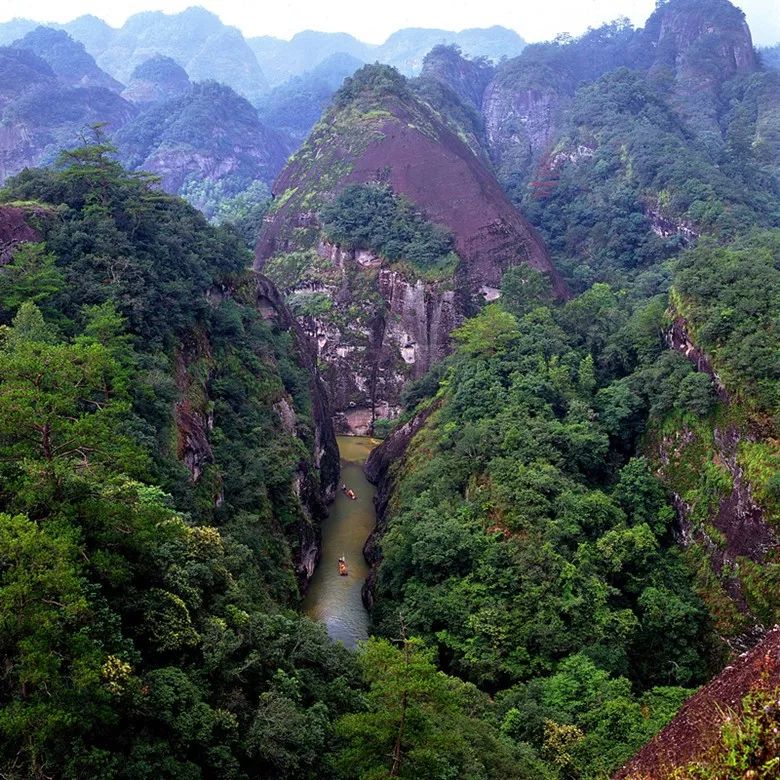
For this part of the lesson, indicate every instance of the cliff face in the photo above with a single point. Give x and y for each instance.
(378, 130)
(316, 477)
(688, 50)
(702, 46)
(728, 531)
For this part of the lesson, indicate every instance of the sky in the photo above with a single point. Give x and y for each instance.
(535, 20)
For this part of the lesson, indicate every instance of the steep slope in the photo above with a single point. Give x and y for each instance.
(378, 131)
(208, 145)
(693, 736)
(67, 58)
(467, 78)
(191, 457)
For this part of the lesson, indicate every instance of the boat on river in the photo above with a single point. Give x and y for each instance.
(348, 492)
(343, 566)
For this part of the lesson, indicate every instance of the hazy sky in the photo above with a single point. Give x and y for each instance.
(533, 19)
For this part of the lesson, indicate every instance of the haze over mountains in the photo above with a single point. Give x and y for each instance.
(209, 49)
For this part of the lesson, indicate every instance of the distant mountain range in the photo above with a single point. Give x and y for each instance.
(208, 49)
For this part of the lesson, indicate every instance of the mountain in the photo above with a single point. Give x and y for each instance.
(771, 57)
(94, 33)
(196, 39)
(406, 49)
(204, 140)
(297, 105)
(42, 115)
(204, 457)
(207, 144)
(15, 29)
(379, 132)
(156, 80)
(67, 58)
(281, 60)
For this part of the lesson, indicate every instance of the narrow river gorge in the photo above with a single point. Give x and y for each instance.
(331, 598)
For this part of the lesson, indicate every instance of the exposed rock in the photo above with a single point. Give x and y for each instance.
(14, 230)
(746, 532)
(678, 339)
(702, 47)
(326, 452)
(388, 325)
(466, 78)
(694, 731)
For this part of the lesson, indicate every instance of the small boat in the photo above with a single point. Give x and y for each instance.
(348, 492)
(343, 566)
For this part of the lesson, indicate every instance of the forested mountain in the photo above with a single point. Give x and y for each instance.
(203, 140)
(550, 283)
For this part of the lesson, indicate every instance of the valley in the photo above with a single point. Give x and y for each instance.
(390, 410)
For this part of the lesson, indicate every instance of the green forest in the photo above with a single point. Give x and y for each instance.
(558, 563)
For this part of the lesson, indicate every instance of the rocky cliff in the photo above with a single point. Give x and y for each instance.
(694, 732)
(727, 532)
(384, 323)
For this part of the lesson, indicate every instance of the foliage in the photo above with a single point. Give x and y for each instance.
(371, 216)
(144, 609)
(418, 722)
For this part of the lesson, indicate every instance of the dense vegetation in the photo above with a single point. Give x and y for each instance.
(144, 629)
(371, 216)
(528, 546)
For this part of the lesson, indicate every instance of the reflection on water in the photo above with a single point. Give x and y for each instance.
(333, 599)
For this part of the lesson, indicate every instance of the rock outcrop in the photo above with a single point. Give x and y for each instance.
(14, 230)
(736, 534)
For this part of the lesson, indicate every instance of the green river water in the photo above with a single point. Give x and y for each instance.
(333, 599)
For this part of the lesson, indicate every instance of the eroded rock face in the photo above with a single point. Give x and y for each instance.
(744, 532)
(521, 125)
(701, 48)
(386, 325)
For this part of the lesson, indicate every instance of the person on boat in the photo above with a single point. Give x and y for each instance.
(343, 566)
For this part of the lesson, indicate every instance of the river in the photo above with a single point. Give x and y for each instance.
(331, 598)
